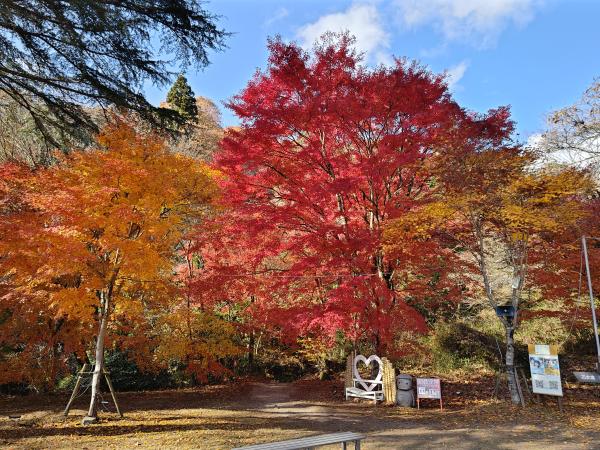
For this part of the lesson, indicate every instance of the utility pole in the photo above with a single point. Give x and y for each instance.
(589, 280)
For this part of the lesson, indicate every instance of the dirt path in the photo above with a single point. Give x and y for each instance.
(389, 433)
(268, 396)
(229, 416)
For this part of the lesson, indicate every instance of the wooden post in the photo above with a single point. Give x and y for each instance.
(519, 388)
(76, 388)
(83, 372)
(500, 374)
(389, 382)
(525, 382)
(112, 392)
(348, 381)
(498, 381)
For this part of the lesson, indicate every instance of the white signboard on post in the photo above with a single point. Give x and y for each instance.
(545, 370)
(429, 388)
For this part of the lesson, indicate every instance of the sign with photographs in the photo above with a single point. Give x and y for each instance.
(545, 370)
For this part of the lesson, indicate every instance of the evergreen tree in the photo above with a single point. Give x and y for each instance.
(59, 57)
(182, 99)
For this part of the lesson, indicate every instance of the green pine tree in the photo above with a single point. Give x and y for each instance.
(181, 98)
(51, 49)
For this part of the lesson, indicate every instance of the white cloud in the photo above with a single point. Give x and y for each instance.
(454, 74)
(384, 57)
(361, 20)
(480, 21)
(278, 15)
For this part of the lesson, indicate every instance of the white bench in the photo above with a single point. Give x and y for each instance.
(369, 389)
(358, 392)
(311, 442)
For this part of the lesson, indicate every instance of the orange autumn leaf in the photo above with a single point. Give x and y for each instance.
(100, 221)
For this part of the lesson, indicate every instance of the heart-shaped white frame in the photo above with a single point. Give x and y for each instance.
(368, 385)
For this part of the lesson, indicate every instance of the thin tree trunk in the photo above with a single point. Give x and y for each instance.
(379, 348)
(515, 396)
(509, 325)
(99, 359)
(251, 343)
(190, 265)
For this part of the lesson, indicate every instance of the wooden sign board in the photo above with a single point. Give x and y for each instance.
(429, 388)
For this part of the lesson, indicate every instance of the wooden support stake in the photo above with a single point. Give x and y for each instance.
(519, 390)
(498, 380)
(85, 371)
(525, 381)
(76, 388)
(112, 391)
(500, 375)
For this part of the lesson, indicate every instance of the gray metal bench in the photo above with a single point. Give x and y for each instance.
(310, 442)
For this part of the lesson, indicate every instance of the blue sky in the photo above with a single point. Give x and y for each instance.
(534, 55)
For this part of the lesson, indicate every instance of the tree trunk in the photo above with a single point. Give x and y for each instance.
(251, 343)
(509, 324)
(99, 361)
(515, 395)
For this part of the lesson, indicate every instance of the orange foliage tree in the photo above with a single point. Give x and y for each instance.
(18, 321)
(496, 209)
(93, 245)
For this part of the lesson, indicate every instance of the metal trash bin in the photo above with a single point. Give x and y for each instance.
(404, 390)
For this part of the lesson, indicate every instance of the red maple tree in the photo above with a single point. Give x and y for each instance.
(328, 151)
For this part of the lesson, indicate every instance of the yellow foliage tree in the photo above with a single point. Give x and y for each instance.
(495, 207)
